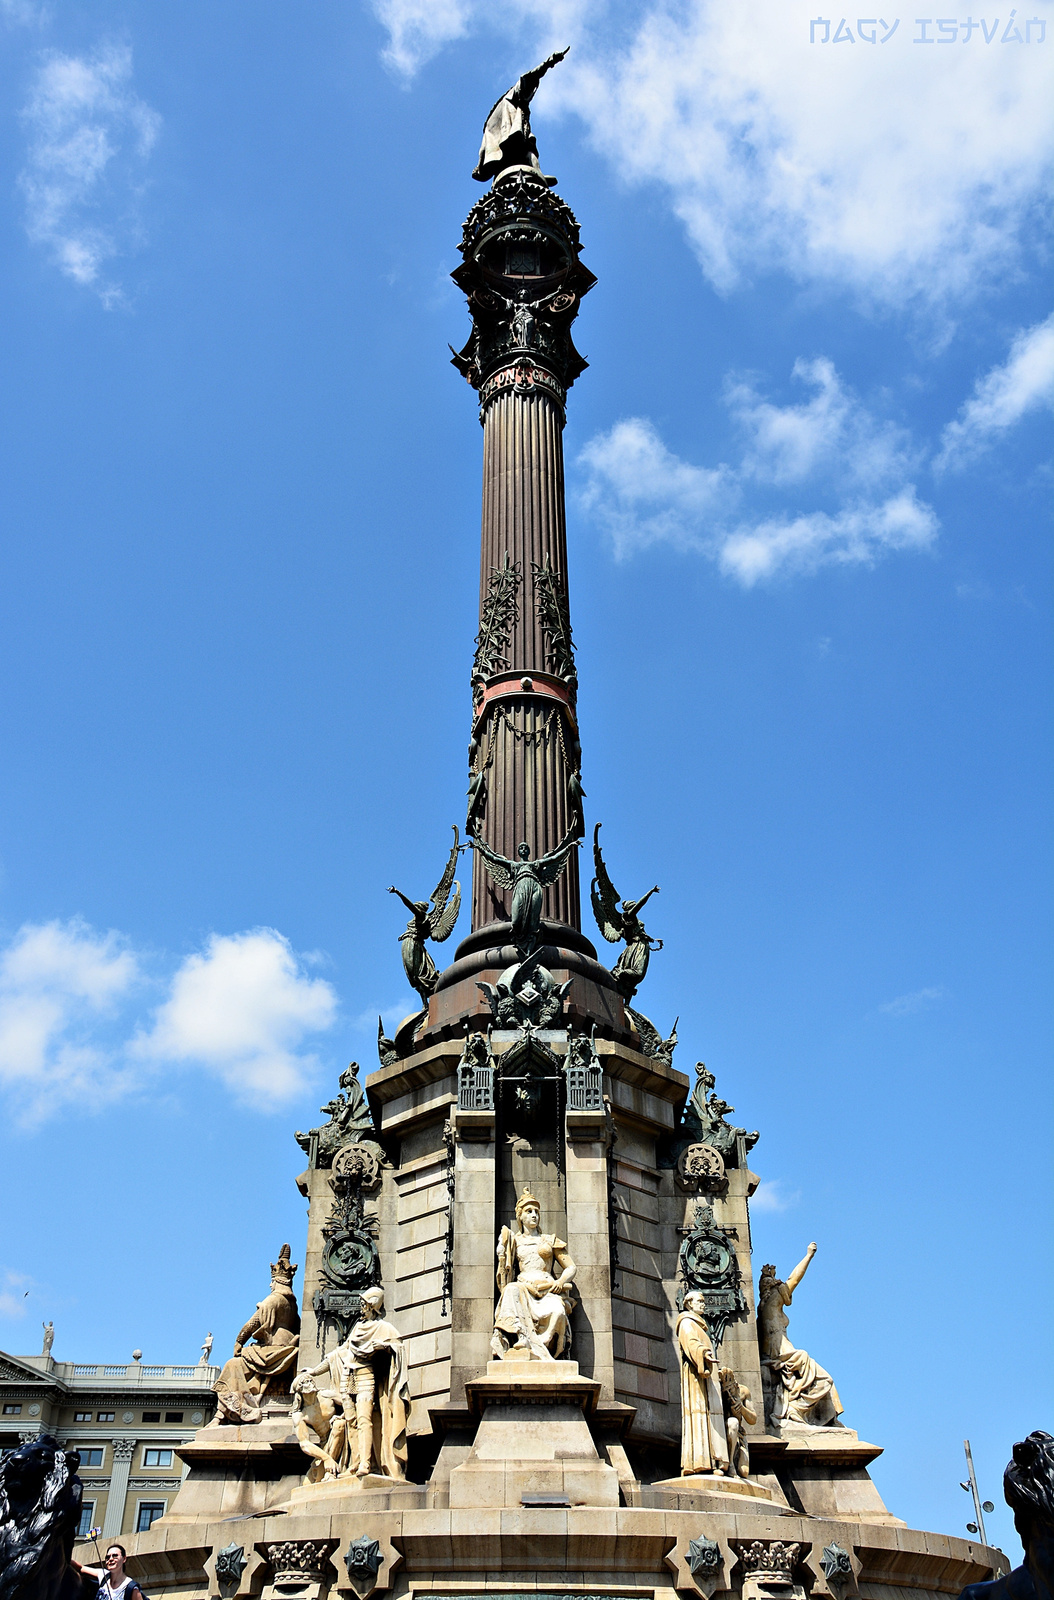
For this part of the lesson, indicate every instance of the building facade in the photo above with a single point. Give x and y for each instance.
(127, 1421)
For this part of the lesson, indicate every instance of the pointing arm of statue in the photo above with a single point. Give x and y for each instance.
(527, 87)
(800, 1270)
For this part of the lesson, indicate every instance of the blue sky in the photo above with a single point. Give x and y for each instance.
(808, 485)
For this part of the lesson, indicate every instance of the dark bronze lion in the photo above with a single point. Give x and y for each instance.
(40, 1502)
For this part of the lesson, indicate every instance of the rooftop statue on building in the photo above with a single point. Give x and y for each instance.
(534, 1306)
(507, 137)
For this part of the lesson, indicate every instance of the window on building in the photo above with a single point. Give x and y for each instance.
(151, 1416)
(156, 1458)
(149, 1511)
(105, 1416)
(173, 1416)
(12, 1411)
(86, 1520)
(82, 1416)
(91, 1455)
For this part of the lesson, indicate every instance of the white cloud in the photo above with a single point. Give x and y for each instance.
(418, 29)
(905, 1005)
(772, 1195)
(643, 494)
(391, 1016)
(857, 535)
(898, 172)
(58, 983)
(13, 1293)
(830, 433)
(89, 136)
(242, 1010)
(1003, 396)
(23, 13)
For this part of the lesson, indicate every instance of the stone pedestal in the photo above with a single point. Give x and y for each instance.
(533, 1445)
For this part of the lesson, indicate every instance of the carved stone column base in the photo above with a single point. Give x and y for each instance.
(335, 1493)
(533, 1446)
(711, 1483)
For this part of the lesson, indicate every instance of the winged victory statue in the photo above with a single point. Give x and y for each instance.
(528, 881)
(615, 924)
(436, 924)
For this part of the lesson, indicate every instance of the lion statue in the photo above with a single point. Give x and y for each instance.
(40, 1501)
(1028, 1488)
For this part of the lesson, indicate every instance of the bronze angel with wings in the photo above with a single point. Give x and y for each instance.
(436, 924)
(615, 924)
(528, 881)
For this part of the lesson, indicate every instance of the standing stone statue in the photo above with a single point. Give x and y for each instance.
(437, 924)
(368, 1373)
(507, 137)
(631, 966)
(534, 1307)
(206, 1351)
(259, 1368)
(803, 1392)
(528, 881)
(49, 1337)
(739, 1414)
(704, 1442)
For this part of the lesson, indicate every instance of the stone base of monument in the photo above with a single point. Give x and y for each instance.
(533, 1446)
(331, 1494)
(239, 1469)
(717, 1483)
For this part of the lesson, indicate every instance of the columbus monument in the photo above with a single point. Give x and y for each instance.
(529, 1351)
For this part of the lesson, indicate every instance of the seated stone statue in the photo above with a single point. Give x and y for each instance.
(261, 1368)
(367, 1375)
(40, 1500)
(802, 1391)
(534, 1306)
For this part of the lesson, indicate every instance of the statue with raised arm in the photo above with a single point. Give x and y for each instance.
(536, 1289)
(628, 971)
(528, 880)
(803, 1392)
(507, 137)
(436, 924)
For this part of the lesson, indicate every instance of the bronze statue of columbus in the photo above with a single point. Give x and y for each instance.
(507, 137)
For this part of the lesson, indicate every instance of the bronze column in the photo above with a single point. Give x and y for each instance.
(524, 280)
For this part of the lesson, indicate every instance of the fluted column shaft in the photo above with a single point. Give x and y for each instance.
(527, 740)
